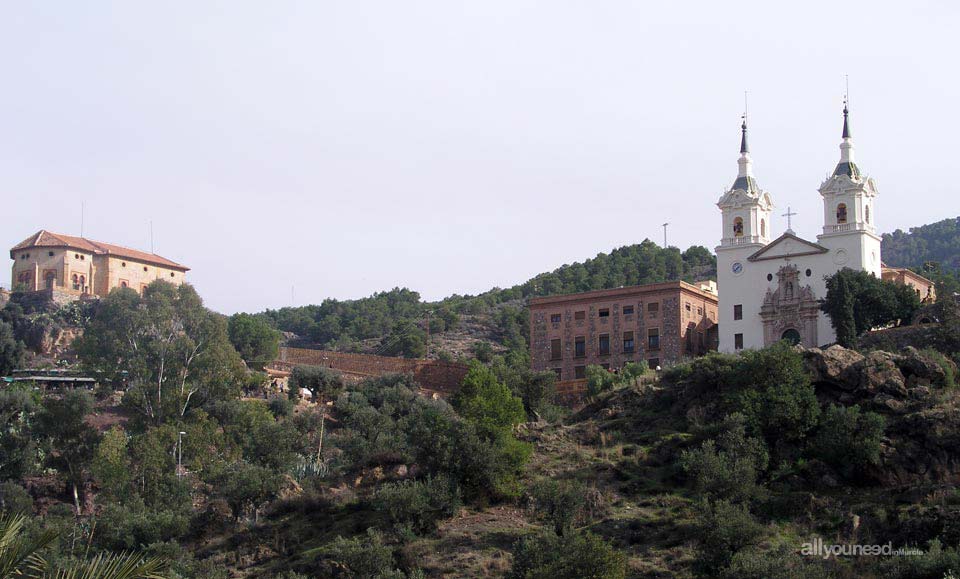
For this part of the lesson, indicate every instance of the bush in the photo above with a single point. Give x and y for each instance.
(848, 439)
(935, 563)
(599, 379)
(948, 366)
(560, 503)
(14, 499)
(581, 555)
(281, 407)
(728, 467)
(127, 528)
(363, 557)
(418, 505)
(724, 529)
(779, 564)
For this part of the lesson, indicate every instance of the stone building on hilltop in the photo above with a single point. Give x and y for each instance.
(76, 266)
(652, 324)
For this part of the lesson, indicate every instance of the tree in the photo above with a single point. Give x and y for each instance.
(581, 555)
(70, 442)
(254, 338)
(111, 467)
(18, 448)
(487, 403)
(11, 350)
(560, 502)
(322, 383)
(869, 301)
(246, 486)
(729, 467)
(405, 339)
(849, 439)
(170, 352)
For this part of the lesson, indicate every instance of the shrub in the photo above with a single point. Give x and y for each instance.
(125, 528)
(418, 505)
(581, 555)
(849, 439)
(781, 563)
(363, 557)
(948, 366)
(728, 467)
(559, 502)
(935, 563)
(281, 407)
(14, 499)
(724, 529)
(322, 383)
(599, 379)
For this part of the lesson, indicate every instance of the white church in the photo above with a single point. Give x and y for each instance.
(769, 289)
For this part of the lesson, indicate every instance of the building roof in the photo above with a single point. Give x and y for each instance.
(622, 291)
(44, 238)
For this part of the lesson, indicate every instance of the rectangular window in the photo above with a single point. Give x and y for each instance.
(579, 347)
(688, 307)
(556, 350)
(738, 312)
(628, 310)
(604, 312)
(555, 318)
(653, 339)
(581, 315)
(559, 373)
(579, 372)
(653, 363)
(628, 342)
(653, 309)
(604, 344)
(738, 341)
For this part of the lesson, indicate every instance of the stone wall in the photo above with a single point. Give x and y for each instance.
(432, 375)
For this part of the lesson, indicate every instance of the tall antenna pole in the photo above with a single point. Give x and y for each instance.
(665, 235)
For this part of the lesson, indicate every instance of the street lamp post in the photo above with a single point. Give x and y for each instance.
(180, 453)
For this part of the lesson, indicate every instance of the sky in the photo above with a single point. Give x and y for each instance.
(289, 152)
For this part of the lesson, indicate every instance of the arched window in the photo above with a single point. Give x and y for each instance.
(76, 282)
(763, 228)
(123, 284)
(842, 213)
(49, 279)
(791, 336)
(866, 213)
(738, 227)
(83, 283)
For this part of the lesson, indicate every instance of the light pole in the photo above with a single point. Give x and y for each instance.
(180, 454)
(665, 235)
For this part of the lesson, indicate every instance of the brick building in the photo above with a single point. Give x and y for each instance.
(80, 266)
(657, 323)
(925, 288)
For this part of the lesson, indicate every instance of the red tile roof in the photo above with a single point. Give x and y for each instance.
(45, 238)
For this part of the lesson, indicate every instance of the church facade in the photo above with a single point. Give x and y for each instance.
(770, 287)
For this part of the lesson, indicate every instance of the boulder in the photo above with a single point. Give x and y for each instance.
(828, 366)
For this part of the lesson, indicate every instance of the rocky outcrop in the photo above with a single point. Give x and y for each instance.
(922, 437)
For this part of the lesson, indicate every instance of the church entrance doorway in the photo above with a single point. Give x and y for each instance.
(791, 336)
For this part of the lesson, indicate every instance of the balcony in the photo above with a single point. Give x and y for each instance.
(847, 227)
(742, 240)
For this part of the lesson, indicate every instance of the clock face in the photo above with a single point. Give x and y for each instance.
(737, 268)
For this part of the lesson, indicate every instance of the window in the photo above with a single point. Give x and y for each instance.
(50, 253)
(699, 311)
(123, 264)
(763, 228)
(76, 283)
(628, 310)
(581, 315)
(558, 372)
(738, 312)
(83, 283)
(688, 307)
(556, 349)
(579, 347)
(171, 274)
(628, 342)
(604, 344)
(50, 278)
(738, 227)
(842, 213)
(809, 273)
(769, 277)
(653, 339)
(144, 268)
(579, 372)
(604, 312)
(653, 363)
(653, 309)
(123, 283)
(866, 213)
(738, 341)
(555, 318)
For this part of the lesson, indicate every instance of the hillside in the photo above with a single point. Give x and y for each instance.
(496, 317)
(936, 242)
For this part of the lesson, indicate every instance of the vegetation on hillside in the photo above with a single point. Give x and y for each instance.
(932, 250)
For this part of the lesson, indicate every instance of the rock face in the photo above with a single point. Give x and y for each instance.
(922, 438)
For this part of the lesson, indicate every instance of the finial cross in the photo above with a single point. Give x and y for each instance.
(789, 214)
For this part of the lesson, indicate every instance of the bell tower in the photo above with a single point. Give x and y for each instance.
(745, 207)
(848, 210)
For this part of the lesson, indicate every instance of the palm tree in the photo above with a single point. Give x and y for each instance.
(20, 558)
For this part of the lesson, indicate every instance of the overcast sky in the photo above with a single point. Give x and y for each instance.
(342, 148)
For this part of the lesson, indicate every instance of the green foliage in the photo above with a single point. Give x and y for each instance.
(948, 366)
(322, 383)
(170, 352)
(488, 403)
(581, 555)
(559, 502)
(111, 468)
(11, 350)
(14, 499)
(724, 529)
(867, 301)
(18, 447)
(483, 351)
(281, 407)
(936, 242)
(537, 390)
(937, 562)
(728, 467)
(245, 486)
(362, 557)
(782, 563)
(849, 439)
(134, 526)
(254, 338)
(418, 505)
(70, 442)
(599, 379)
(405, 339)
(947, 334)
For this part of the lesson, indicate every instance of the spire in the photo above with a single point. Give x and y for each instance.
(743, 137)
(745, 178)
(846, 166)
